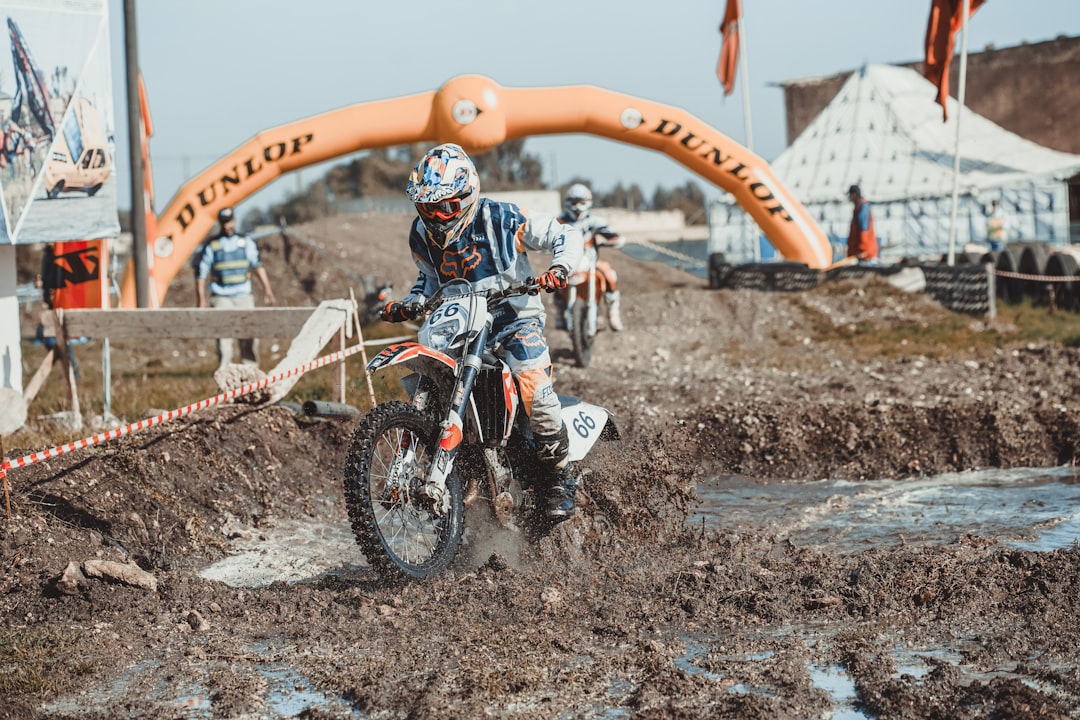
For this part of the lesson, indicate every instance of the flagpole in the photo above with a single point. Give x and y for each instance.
(745, 85)
(756, 241)
(959, 114)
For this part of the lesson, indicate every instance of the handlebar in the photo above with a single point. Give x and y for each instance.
(529, 286)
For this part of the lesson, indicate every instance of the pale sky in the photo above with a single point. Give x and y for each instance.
(219, 71)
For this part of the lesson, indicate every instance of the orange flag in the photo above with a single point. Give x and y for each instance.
(729, 48)
(946, 19)
(76, 271)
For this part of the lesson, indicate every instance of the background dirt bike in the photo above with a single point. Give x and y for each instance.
(582, 296)
(462, 442)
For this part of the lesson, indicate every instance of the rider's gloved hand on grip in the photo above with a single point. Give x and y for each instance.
(396, 312)
(554, 279)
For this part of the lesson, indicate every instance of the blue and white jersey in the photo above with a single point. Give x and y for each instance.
(227, 261)
(491, 252)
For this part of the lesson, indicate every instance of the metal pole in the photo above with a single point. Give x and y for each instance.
(745, 85)
(138, 208)
(959, 114)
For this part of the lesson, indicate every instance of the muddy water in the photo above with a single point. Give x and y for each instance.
(1032, 509)
(1036, 509)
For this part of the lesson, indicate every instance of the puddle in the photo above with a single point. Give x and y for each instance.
(288, 694)
(833, 679)
(1029, 508)
(292, 551)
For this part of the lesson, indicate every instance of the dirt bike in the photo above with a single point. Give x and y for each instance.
(414, 467)
(583, 294)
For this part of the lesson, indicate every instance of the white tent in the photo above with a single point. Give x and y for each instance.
(883, 131)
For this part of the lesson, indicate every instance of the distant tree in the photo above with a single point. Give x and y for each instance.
(509, 167)
(631, 198)
(689, 198)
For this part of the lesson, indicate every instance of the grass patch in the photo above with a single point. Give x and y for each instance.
(40, 662)
(936, 332)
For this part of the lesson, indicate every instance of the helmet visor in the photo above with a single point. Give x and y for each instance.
(441, 212)
(579, 205)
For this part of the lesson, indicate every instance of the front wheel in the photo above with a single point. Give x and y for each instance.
(580, 335)
(394, 522)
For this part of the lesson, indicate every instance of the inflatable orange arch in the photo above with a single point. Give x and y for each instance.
(478, 114)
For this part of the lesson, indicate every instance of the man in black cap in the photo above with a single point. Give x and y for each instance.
(226, 266)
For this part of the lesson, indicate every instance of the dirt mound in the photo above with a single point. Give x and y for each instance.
(662, 618)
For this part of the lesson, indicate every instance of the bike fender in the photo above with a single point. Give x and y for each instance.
(414, 355)
(585, 424)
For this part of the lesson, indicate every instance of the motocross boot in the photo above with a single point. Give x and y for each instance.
(561, 477)
(614, 317)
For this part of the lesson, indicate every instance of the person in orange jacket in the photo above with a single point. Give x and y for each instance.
(862, 240)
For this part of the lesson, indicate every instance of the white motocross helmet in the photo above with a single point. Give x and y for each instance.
(578, 201)
(445, 188)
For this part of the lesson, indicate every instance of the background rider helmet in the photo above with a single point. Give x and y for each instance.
(578, 201)
(445, 188)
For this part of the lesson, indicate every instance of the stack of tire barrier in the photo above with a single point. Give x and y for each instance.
(1009, 289)
(964, 287)
(771, 276)
(972, 285)
(1064, 271)
(1021, 266)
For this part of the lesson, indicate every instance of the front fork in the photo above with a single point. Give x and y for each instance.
(592, 307)
(452, 428)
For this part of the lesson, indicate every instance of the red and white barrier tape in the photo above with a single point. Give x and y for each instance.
(186, 410)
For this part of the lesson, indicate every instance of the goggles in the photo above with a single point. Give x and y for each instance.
(442, 211)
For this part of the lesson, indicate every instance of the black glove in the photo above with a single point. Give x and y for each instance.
(396, 312)
(554, 279)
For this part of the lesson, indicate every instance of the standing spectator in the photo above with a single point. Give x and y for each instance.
(227, 263)
(862, 241)
(999, 226)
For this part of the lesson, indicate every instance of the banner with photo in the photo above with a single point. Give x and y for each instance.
(57, 157)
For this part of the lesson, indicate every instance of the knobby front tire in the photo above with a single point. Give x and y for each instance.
(388, 458)
(579, 334)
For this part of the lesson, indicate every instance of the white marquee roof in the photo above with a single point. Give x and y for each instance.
(883, 131)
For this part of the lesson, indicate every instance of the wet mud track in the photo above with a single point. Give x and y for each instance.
(666, 617)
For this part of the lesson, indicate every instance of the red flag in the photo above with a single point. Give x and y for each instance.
(729, 48)
(946, 19)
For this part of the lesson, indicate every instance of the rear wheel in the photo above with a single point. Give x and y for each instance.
(396, 525)
(579, 334)
(56, 190)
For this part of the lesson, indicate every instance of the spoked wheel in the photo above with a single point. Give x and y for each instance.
(580, 335)
(397, 526)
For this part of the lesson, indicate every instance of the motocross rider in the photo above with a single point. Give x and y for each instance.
(459, 234)
(576, 205)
